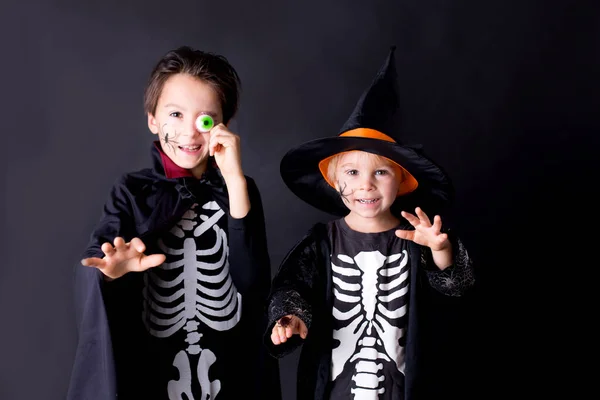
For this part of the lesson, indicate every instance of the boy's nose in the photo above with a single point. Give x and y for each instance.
(191, 129)
(366, 184)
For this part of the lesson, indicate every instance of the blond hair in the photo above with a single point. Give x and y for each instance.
(370, 158)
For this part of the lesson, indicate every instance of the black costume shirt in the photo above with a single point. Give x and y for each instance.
(370, 284)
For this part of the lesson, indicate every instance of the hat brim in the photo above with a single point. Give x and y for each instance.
(299, 169)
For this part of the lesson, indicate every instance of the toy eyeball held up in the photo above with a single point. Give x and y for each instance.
(205, 123)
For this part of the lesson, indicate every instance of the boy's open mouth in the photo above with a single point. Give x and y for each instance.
(367, 201)
(190, 148)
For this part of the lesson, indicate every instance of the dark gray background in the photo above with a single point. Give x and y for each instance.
(502, 93)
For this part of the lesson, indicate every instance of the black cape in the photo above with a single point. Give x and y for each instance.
(109, 360)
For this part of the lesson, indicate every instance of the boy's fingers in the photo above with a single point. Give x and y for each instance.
(218, 129)
(153, 260)
(414, 221)
(120, 244)
(302, 326)
(282, 337)
(92, 262)
(107, 249)
(303, 330)
(214, 140)
(226, 141)
(402, 234)
(286, 327)
(437, 222)
(275, 337)
(278, 336)
(422, 216)
(213, 148)
(298, 324)
(138, 245)
(280, 332)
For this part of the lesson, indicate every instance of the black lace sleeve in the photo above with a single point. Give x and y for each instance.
(293, 291)
(457, 278)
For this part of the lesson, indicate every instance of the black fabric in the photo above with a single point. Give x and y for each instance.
(110, 356)
(306, 272)
(385, 250)
(376, 107)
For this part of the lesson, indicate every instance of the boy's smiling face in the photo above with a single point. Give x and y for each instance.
(368, 185)
(182, 100)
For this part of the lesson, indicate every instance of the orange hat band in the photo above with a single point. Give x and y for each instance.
(368, 133)
(408, 183)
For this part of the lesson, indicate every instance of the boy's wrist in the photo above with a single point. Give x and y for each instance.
(442, 258)
(445, 250)
(234, 179)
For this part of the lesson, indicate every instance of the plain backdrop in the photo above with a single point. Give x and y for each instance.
(502, 93)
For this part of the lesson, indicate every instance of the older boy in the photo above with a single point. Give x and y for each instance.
(170, 295)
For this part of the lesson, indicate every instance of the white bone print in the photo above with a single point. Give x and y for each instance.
(200, 292)
(368, 338)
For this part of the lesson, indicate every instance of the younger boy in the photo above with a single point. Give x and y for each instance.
(351, 289)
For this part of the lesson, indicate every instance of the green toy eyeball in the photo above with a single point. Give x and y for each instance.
(205, 123)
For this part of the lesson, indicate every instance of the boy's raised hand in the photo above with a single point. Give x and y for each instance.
(425, 233)
(286, 327)
(225, 147)
(123, 258)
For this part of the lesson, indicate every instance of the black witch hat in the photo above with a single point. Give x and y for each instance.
(370, 128)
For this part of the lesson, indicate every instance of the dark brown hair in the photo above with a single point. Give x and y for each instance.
(211, 68)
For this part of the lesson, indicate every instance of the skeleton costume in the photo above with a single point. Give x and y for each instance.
(361, 294)
(190, 328)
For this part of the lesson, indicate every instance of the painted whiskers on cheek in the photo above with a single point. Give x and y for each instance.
(344, 191)
(168, 138)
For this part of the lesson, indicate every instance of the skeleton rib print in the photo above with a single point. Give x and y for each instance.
(190, 289)
(370, 303)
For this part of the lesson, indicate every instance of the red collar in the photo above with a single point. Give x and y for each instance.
(172, 170)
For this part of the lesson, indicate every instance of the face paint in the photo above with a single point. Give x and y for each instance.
(204, 123)
(343, 191)
(169, 139)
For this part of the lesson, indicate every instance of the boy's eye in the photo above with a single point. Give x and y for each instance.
(381, 172)
(352, 172)
(175, 114)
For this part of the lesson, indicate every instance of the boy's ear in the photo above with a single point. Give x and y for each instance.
(152, 124)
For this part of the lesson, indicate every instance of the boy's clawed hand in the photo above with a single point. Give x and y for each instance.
(425, 233)
(286, 327)
(225, 147)
(123, 257)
